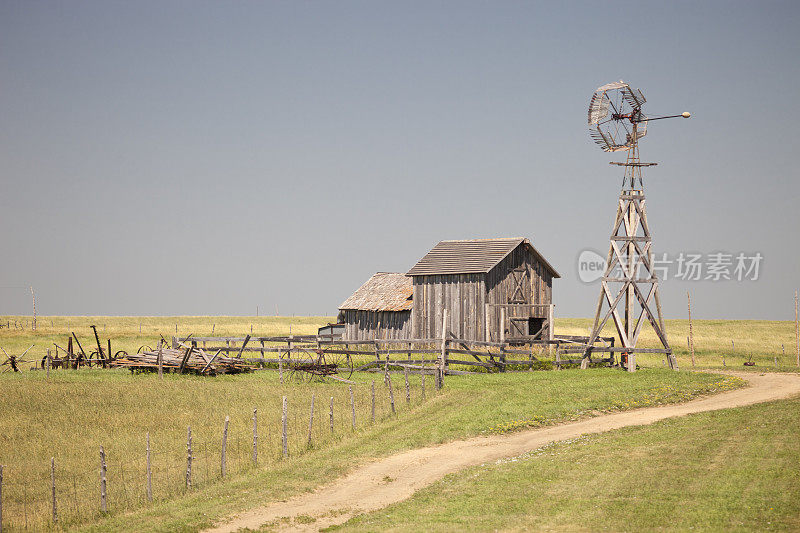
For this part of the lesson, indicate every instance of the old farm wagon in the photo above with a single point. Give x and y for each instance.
(492, 289)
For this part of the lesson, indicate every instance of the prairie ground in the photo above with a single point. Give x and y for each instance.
(728, 470)
(70, 415)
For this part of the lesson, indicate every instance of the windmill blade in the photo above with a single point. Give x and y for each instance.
(611, 86)
(633, 96)
(598, 108)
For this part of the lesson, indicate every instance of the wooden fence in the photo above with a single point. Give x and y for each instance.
(439, 357)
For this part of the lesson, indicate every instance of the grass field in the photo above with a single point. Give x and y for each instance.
(70, 415)
(729, 470)
(74, 412)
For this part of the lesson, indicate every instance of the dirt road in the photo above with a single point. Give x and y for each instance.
(368, 487)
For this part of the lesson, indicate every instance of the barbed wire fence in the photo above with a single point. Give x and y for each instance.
(55, 497)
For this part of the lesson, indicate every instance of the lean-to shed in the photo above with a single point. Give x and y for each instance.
(493, 289)
(379, 309)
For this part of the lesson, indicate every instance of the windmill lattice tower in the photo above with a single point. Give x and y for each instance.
(629, 285)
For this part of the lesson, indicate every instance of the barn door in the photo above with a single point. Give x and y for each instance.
(519, 294)
(518, 326)
(519, 280)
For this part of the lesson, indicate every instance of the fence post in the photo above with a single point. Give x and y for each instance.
(311, 420)
(391, 396)
(284, 436)
(1, 498)
(222, 465)
(408, 386)
(353, 406)
(48, 364)
(331, 415)
(486, 336)
(103, 481)
(502, 325)
(443, 356)
(373, 401)
(280, 367)
(796, 329)
(160, 360)
(149, 472)
(691, 333)
(422, 375)
(255, 436)
(631, 362)
(189, 458)
(53, 488)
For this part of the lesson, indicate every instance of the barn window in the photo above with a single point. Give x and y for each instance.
(535, 326)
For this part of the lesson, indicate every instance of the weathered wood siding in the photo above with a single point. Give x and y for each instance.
(464, 297)
(368, 325)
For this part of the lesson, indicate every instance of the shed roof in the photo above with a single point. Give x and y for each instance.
(474, 256)
(384, 291)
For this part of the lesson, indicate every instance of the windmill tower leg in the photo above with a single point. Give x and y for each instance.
(629, 280)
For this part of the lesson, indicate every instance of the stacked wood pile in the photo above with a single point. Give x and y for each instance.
(185, 360)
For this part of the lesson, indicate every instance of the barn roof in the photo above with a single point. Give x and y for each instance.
(384, 291)
(475, 256)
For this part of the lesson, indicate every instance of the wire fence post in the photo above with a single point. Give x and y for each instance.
(255, 436)
(1, 498)
(796, 329)
(691, 333)
(311, 420)
(353, 406)
(189, 458)
(331, 415)
(103, 481)
(408, 386)
(422, 378)
(223, 465)
(149, 472)
(284, 436)
(391, 396)
(373, 401)
(53, 488)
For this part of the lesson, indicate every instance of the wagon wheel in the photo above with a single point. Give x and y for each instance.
(321, 366)
(344, 364)
(119, 353)
(95, 359)
(301, 367)
(143, 348)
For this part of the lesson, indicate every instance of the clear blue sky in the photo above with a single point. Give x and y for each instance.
(211, 157)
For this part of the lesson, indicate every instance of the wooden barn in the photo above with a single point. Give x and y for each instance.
(493, 289)
(379, 309)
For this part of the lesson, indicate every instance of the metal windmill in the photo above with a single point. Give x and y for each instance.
(616, 123)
